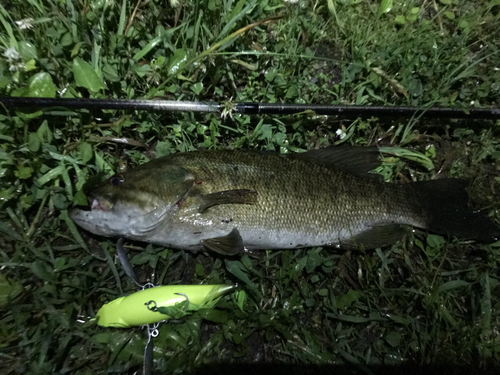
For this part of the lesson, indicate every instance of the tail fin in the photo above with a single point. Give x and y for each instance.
(445, 205)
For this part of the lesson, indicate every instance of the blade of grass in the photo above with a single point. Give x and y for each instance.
(212, 49)
(74, 231)
(12, 40)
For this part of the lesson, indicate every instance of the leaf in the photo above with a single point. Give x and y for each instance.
(236, 10)
(410, 155)
(60, 201)
(50, 175)
(244, 64)
(216, 316)
(346, 300)
(143, 52)
(103, 165)
(236, 14)
(8, 28)
(86, 152)
(8, 290)
(85, 76)
(398, 319)
(74, 231)
(164, 148)
(393, 338)
(313, 261)
(291, 92)
(197, 88)
(435, 240)
(44, 132)
(240, 299)
(176, 62)
(400, 19)
(41, 86)
(80, 198)
(42, 270)
(271, 74)
(454, 284)
(30, 65)
(27, 50)
(463, 24)
(237, 269)
(111, 72)
(123, 16)
(385, 6)
(34, 142)
(23, 172)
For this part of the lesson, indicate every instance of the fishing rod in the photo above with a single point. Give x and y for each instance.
(250, 108)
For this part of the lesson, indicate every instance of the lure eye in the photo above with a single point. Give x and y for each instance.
(116, 180)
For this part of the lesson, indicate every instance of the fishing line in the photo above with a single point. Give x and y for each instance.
(152, 329)
(147, 363)
(229, 108)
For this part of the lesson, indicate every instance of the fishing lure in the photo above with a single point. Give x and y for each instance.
(152, 305)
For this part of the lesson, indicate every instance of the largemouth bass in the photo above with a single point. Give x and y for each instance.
(229, 201)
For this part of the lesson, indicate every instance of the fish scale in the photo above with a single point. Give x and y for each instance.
(227, 201)
(307, 204)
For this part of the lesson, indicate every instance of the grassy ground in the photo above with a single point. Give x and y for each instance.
(426, 301)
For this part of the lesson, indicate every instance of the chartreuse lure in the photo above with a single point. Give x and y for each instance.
(155, 304)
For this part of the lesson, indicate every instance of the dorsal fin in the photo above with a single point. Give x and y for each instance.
(358, 160)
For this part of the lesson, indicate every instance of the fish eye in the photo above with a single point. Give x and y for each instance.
(116, 180)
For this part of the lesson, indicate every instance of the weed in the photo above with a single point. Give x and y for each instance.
(426, 300)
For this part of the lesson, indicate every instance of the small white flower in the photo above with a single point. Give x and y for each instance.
(25, 23)
(341, 133)
(14, 59)
(17, 67)
(292, 1)
(11, 54)
(227, 108)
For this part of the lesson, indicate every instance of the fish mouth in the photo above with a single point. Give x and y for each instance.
(100, 204)
(96, 204)
(97, 216)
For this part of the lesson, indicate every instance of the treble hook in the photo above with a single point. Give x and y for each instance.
(187, 300)
(155, 306)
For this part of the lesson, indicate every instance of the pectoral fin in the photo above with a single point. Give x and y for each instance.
(231, 244)
(239, 196)
(376, 236)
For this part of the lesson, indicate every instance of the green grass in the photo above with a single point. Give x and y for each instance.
(427, 300)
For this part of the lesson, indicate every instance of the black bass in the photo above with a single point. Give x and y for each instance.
(229, 201)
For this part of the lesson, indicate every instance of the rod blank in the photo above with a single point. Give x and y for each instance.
(84, 103)
(347, 111)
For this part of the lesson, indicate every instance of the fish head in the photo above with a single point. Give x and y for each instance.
(133, 204)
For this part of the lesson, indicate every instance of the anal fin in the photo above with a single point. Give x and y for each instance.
(237, 196)
(376, 236)
(231, 244)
